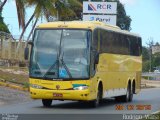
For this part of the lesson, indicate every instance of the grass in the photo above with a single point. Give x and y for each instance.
(148, 78)
(16, 68)
(15, 78)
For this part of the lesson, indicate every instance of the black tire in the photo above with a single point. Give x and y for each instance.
(95, 103)
(46, 102)
(126, 98)
(131, 94)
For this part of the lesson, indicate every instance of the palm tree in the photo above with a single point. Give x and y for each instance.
(50, 8)
(2, 4)
(34, 25)
(65, 9)
(20, 6)
(20, 11)
(42, 8)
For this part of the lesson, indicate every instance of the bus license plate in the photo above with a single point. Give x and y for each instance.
(57, 95)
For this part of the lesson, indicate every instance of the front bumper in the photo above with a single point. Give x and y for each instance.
(67, 94)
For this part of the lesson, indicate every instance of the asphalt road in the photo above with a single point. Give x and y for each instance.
(62, 110)
(145, 97)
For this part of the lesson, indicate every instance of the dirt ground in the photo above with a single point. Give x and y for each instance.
(150, 83)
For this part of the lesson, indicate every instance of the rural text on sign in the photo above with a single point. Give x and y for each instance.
(107, 19)
(100, 7)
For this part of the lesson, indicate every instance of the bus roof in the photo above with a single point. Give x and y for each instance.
(84, 25)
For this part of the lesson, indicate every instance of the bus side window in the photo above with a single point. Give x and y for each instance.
(95, 40)
(106, 42)
(134, 46)
(140, 46)
(125, 44)
(129, 45)
(94, 50)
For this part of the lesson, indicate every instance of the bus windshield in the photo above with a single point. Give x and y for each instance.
(60, 54)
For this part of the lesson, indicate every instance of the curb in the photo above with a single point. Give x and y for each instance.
(156, 112)
(13, 86)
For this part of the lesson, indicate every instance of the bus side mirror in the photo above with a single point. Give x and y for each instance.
(26, 50)
(97, 58)
(30, 42)
(26, 53)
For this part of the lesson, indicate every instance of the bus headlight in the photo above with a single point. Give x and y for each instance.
(36, 86)
(81, 88)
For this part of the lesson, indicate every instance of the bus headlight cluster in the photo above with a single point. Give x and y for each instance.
(36, 86)
(81, 88)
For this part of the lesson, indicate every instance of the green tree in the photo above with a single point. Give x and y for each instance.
(2, 4)
(156, 60)
(157, 43)
(3, 26)
(68, 10)
(51, 8)
(77, 7)
(145, 54)
(146, 66)
(42, 8)
(21, 12)
(62, 6)
(146, 59)
(123, 20)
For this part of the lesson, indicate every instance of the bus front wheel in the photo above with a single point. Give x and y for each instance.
(46, 102)
(95, 103)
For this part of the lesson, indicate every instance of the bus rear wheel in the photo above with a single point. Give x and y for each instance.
(126, 98)
(46, 102)
(131, 94)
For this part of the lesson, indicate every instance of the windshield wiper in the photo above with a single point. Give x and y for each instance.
(65, 66)
(44, 77)
(61, 54)
(59, 60)
(52, 66)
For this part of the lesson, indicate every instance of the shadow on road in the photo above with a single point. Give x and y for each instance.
(82, 105)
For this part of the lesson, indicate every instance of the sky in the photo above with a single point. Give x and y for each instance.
(145, 15)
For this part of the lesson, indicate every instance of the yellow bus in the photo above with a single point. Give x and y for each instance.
(84, 61)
